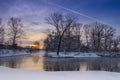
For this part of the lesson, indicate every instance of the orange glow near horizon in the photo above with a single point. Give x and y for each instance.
(32, 37)
(32, 45)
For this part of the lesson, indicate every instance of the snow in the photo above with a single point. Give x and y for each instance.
(6, 53)
(72, 54)
(14, 74)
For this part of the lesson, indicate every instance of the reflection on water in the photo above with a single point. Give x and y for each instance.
(36, 61)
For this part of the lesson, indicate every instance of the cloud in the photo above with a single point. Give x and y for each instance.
(26, 9)
(35, 23)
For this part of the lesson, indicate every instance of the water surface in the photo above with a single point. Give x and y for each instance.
(37, 61)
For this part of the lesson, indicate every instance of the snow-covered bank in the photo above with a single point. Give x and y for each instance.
(72, 54)
(6, 53)
(14, 74)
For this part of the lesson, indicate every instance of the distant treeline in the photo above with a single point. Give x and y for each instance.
(71, 35)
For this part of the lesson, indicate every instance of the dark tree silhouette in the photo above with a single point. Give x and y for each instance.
(109, 33)
(2, 33)
(16, 30)
(62, 23)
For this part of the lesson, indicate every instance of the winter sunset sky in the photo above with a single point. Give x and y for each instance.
(34, 12)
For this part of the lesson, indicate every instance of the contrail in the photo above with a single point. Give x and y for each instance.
(79, 13)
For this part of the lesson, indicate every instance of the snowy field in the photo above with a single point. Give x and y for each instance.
(72, 54)
(14, 74)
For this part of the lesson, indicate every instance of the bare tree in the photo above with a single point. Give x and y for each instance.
(96, 35)
(109, 33)
(15, 30)
(2, 33)
(62, 23)
(86, 29)
(51, 41)
(101, 37)
(116, 41)
(78, 35)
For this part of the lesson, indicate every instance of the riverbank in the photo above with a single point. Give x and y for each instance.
(71, 54)
(8, 53)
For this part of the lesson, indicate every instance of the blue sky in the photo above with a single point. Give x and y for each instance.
(33, 12)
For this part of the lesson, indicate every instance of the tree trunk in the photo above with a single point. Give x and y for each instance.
(59, 44)
(60, 39)
(14, 42)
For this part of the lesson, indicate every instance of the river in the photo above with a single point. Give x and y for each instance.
(37, 61)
